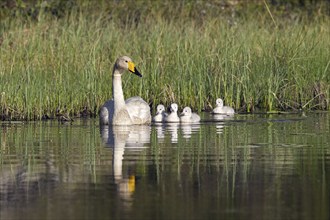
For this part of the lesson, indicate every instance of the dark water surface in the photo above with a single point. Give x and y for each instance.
(244, 167)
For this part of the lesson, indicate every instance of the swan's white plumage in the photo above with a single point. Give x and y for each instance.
(188, 117)
(173, 116)
(138, 110)
(119, 112)
(220, 109)
(106, 111)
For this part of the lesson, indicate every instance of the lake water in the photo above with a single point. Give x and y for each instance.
(243, 167)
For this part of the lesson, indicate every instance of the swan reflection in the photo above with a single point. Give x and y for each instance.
(121, 138)
(189, 129)
(220, 121)
(160, 130)
(173, 130)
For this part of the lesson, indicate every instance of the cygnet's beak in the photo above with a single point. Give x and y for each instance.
(132, 69)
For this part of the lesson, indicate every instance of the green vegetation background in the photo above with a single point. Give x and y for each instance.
(56, 56)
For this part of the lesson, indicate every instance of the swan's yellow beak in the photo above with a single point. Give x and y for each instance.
(131, 184)
(132, 69)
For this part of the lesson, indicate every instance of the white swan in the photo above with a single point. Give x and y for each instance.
(220, 109)
(173, 116)
(188, 117)
(118, 111)
(160, 114)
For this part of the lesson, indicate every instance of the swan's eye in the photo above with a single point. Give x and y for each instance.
(126, 61)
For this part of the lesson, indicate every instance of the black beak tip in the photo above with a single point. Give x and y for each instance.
(136, 72)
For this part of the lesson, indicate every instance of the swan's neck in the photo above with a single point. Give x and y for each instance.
(220, 104)
(117, 92)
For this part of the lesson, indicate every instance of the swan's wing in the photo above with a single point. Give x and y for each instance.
(138, 110)
(195, 117)
(106, 112)
(217, 110)
(228, 110)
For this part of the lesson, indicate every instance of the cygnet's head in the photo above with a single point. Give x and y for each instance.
(186, 111)
(174, 107)
(160, 109)
(125, 63)
(219, 102)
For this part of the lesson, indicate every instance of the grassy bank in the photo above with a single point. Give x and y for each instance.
(256, 61)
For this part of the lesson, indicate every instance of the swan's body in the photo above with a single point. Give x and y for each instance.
(160, 114)
(188, 117)
(173, 116)
(220, 109)
(106, 112)
(118, 111)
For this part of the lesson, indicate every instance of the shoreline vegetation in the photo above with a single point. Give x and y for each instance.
(56, 57)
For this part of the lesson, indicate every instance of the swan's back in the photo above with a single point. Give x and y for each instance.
(139, 110)
(195, 117)
(224, 110)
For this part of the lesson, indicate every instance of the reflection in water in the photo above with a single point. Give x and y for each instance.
(189, 129)
(261, 167)
(160, 129)
(220, 121)
(20, 179)
(172, 128)
(121, 138)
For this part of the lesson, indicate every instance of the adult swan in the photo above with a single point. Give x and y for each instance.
(117, 111)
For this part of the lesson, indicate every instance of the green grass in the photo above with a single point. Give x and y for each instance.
(255, 62)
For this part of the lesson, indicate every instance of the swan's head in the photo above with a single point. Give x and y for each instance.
(186, 111)
(219, 102)
(160, 109)
(125, 63)
(174, 107)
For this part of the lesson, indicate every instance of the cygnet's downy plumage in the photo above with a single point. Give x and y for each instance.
(220, 109)
(173, 116)
(188, 117)
(160, 114)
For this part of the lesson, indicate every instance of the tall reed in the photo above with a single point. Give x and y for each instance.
(63, 66)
